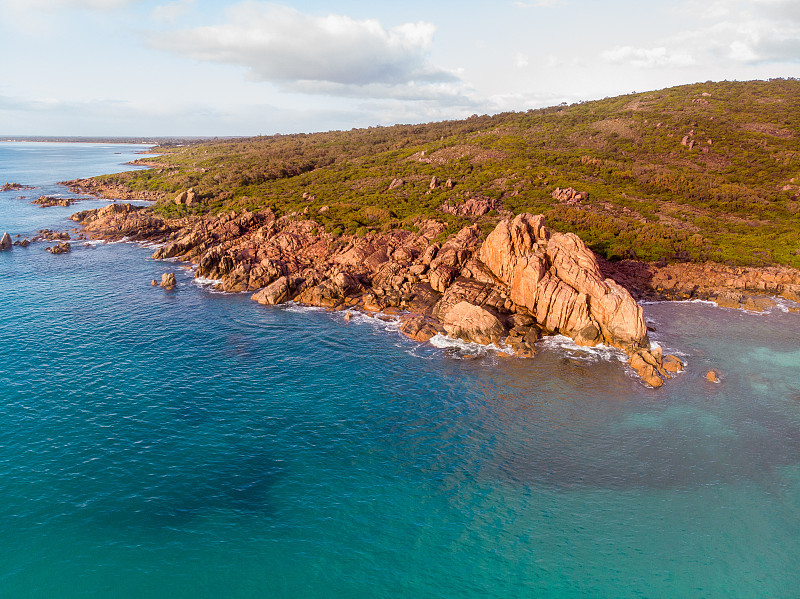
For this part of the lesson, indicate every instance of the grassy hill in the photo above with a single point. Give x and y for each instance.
(709, 171)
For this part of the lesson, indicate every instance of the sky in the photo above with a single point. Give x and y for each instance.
(241, 68)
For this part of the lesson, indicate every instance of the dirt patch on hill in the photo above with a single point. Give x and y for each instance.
(769, 129)
(445, 155)
(621, 127)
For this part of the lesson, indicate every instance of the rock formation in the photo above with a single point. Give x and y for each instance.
(518, 283)
(61, 248)
(187, 198)
(555, 279)
(168, 280)
(569, 196)
(14, 187)
(5, 242)
(50, 201)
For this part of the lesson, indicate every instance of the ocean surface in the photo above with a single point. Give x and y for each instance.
(191, 444)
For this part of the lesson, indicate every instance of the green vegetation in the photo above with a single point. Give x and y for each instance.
(708, 171)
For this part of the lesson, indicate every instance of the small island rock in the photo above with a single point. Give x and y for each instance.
(61, 248)
(168, 280)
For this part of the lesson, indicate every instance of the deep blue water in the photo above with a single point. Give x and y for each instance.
(193, 444)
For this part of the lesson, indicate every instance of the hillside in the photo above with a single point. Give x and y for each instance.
(699, 172)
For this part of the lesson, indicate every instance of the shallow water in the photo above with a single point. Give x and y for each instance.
(192, 444)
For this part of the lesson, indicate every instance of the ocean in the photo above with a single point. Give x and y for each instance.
(193, 444)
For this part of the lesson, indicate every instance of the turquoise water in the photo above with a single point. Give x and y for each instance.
(192, 444)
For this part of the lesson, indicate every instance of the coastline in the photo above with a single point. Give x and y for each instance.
(457, 287)
(744, 287)
(508, 288)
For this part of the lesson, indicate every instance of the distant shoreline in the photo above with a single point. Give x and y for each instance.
(151, 141)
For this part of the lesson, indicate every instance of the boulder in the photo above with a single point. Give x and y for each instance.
(187, 198)
(712, 376)
(418, 329)
(5, 242)
(168, 280)
(276, 292)
(472, 323)
(672, 364)
(569, 196)
(61, 248)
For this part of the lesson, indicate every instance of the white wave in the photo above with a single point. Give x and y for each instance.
(564, 344)
(300, 308)
(203, 282)
(150, 245)
(460, 346)
(379, 320)
(785, 305)
(687, 301)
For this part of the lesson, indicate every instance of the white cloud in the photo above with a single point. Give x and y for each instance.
(726, 33)
(29, 5)
(747, 31)
(538, 3)
(169, 13)
(332, 54)
(521, 60)
(648, 57)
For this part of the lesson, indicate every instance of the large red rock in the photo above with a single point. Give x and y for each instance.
(276, 292)
(556, 279)
(473, 323)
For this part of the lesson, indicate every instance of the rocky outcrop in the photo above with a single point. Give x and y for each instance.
(749, 288)
(569, 196)
(104, 189)
(50, 235)
(14, 187)
(50, 201)
(5, 242)
(508, 289)
(61, 248)
(117, 221)
(554, 278)
(472, 323)
(186, 198)
(168, 280)
(472, 207)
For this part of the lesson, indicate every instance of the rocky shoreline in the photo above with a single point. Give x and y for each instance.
(518, 283)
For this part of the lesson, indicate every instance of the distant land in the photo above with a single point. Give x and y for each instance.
(166, 141)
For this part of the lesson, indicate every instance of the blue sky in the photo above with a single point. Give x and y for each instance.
(196, 67)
